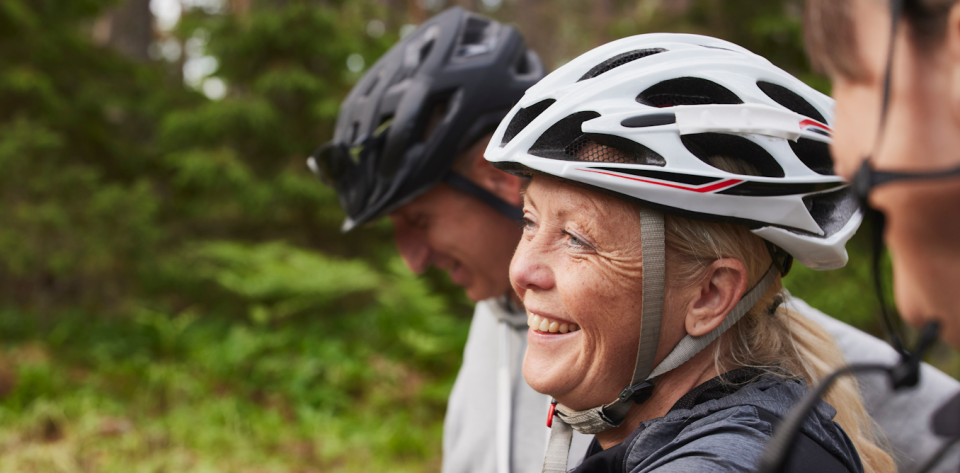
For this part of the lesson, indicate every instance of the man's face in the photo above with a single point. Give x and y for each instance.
(460, 235)
(922, 133)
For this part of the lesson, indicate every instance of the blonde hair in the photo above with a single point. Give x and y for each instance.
(784, 342)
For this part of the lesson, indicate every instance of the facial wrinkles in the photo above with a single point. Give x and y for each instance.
(611, 231)
(598, 287)
(618, 269)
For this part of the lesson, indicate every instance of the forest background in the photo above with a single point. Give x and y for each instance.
(175, 295)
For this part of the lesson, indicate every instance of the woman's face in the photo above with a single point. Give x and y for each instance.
(579, 263)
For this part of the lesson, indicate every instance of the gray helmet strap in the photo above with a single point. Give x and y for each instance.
(690, 346)
(599, 419)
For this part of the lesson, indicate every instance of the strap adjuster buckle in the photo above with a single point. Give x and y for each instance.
(639, 392)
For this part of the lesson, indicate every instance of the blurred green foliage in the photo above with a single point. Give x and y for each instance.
(169, 296)
(174, 292)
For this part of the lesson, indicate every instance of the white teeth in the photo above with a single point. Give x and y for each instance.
(545, 325)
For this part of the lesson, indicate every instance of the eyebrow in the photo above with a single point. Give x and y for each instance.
(525, 198)
(523, 186)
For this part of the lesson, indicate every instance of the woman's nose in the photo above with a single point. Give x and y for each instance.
(530, 268)
(413, 247)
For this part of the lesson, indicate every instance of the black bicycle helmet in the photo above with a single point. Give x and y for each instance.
(430, 97)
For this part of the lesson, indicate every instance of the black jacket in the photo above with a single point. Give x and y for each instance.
(722, 426)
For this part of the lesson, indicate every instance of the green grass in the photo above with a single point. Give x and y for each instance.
(103, 395)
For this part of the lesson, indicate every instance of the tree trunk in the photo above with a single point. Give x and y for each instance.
(127, 28)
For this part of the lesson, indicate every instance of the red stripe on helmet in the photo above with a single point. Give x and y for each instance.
(712, 187)
(809, 122)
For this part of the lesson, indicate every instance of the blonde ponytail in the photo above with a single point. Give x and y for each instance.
(772, 339)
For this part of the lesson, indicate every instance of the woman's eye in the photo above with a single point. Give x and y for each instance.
(526, 224)
(576, 242)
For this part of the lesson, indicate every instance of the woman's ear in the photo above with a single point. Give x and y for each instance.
(720, 288)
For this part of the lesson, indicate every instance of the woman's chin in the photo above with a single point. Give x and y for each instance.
(549, 368)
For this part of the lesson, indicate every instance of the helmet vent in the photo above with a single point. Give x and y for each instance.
(831, 210)
(522, 66)
(354, 131)
(611, 149)
(553, 143)
(425, 51)
(687, 91)
(437, 109)
(475, 30)
(815, 155)
(523, 118)
(373, 84)
(479, 37)
(618, 61)
(790, 100)
(733, 154)
(419, 48)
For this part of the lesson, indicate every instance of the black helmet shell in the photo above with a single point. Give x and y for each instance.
(426, 100)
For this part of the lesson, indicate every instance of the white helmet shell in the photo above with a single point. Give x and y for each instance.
(654, 110)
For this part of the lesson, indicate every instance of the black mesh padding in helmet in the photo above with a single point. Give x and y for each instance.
(710, 146)
(618, 61)
(566, 141)
(523, 118)
(832, 210)
(443, 87)
(554, 141)
(601, 148)
(687, 91)
(790, 100)
(814, 154)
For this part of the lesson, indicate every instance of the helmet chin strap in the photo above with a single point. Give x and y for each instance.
(468, 187)
(608, 416)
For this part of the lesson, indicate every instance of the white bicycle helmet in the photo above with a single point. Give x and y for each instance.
(643, 118)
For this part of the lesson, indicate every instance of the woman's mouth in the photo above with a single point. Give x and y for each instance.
(547, 325)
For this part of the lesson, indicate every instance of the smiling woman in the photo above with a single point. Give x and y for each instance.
(668, 194)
